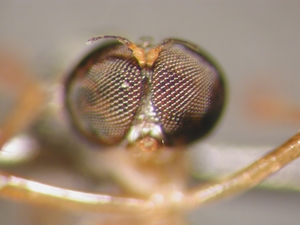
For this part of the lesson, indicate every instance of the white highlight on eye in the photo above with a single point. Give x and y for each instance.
(125, 84)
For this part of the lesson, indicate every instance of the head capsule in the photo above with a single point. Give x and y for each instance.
(167, 95)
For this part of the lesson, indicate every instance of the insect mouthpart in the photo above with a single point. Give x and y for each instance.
(147, 137)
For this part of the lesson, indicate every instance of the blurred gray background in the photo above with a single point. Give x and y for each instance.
(255, 42)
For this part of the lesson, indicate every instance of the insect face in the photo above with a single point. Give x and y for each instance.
(169, 95)
(123, 94)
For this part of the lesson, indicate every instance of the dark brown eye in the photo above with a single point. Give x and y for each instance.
(188, 92)
(104, 92)
(168, 95)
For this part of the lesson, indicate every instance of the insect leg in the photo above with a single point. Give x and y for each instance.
(247, 177)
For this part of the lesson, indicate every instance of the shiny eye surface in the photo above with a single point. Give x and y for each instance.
(104, 93)
(188, 93)
(112, 95)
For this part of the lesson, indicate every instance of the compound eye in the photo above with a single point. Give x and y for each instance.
(187, 92)
(103, 93)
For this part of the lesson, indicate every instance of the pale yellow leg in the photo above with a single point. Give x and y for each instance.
(35, 192)
(27, 107)
(248, 177)
(17, 80)
(22, 189)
